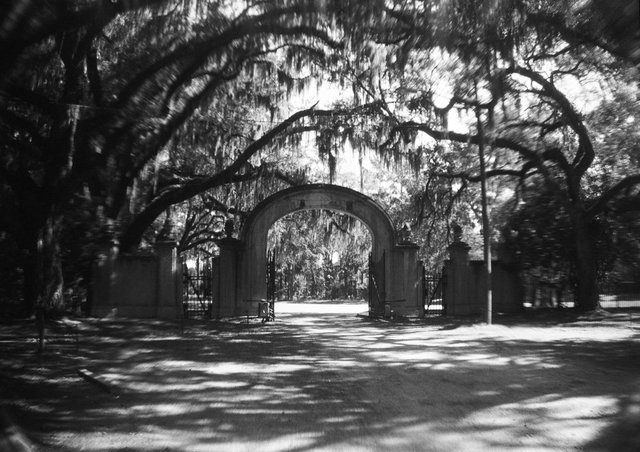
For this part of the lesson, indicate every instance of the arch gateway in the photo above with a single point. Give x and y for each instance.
(396, 271)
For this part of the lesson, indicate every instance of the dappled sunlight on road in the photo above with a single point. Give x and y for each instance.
(326, 379)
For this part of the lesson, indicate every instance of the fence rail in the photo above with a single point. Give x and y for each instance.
(540, 295)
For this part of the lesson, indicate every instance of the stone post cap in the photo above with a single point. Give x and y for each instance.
(166, 243)
(458, 252)
(227, 241)
(455, 246)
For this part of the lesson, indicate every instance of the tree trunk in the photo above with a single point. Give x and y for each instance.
(42, 269)
(29, 279)
(49, 265)
(586, 293)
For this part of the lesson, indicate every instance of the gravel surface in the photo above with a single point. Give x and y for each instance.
(322, 377)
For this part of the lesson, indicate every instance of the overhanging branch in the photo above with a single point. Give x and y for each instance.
(611, 193)
(231, 173)
(585, 155)
(519, 173)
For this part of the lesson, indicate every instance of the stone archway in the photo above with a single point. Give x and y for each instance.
(395, 264)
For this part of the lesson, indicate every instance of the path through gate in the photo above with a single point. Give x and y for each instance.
(197, 283)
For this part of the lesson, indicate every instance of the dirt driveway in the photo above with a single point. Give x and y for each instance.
(321, 378)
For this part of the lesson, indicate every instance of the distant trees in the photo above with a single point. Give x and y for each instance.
(320, 254)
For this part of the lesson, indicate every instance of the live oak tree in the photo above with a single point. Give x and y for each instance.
(507, 67)
(94, 91)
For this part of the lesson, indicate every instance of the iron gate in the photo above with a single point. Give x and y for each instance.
(197, 284)
(434, 283)
(268, 312)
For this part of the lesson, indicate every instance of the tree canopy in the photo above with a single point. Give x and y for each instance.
(121, 118)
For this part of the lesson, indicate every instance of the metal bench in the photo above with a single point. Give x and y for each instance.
(266, 309)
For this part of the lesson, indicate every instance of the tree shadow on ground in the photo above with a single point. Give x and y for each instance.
(322, 382)
(623, 433)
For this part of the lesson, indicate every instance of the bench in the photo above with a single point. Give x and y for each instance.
(266, 309)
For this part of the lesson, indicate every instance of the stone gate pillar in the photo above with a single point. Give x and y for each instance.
(405, 294)
(169, 294)
(458, 296)
(227, 278)
(101, 301)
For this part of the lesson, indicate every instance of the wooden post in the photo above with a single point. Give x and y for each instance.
(486, 232)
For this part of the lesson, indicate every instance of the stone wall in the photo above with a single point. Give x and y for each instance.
(465, 289)
(137, 285)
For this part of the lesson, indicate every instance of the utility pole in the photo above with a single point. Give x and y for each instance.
(486, 232)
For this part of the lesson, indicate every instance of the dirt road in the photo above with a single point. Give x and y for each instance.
(321, 378)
